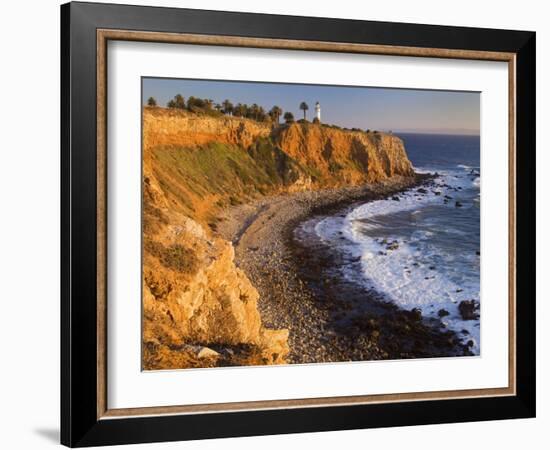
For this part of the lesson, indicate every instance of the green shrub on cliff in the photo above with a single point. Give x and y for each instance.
(289, 117)
(178, 102)
(174, 257)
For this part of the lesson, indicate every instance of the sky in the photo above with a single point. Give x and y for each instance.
(384, 109)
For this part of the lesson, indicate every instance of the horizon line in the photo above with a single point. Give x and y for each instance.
(448, 132)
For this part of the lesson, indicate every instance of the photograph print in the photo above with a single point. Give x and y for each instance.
(301, 224)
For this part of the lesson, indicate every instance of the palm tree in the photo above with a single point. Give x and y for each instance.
(227, 106)
(275, 113)
(151, 101)
(304, 107)
(289, 117)
(254, 111)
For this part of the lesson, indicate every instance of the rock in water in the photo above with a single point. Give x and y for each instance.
(393, 246)
(416, 314)
(469, 309)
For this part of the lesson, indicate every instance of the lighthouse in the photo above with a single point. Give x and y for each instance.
(318, 111)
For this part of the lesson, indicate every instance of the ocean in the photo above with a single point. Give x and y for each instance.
(421, 249)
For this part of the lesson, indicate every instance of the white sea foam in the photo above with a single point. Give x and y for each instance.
(415, 274)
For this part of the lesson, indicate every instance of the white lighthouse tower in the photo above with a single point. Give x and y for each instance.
(318, 111)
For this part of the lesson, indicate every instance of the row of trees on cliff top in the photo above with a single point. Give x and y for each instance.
(208, 106)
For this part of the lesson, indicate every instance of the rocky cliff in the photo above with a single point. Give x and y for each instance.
(200, 310)
(333, 156)
(341, 157)
(204, 163)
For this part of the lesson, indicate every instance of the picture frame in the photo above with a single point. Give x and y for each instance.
(86, 418)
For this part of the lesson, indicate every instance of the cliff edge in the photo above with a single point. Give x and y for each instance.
(204, 163)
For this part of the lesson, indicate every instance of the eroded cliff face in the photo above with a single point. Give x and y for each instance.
(345, 157)
(199, 309)
(162, 127)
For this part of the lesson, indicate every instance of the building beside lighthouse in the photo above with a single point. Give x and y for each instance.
(318, 111)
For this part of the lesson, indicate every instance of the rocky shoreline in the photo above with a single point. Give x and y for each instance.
(329, 319)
